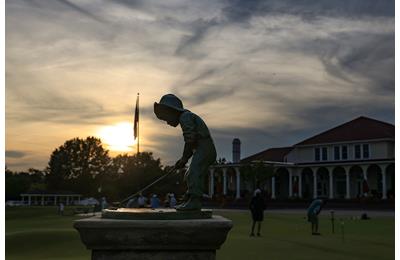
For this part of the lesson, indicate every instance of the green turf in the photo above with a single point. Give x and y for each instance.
(287, 236)
(39, 233)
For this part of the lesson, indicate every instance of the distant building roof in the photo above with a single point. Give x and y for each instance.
(271, 154)
(361, 128)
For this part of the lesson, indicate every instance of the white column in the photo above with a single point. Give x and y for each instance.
(330, 183)
(273, 188)
(315, 183)
(384, 188)
(237, 182)
(290, 183)
(211, 190)
(347, 183)
(29, 200)
(300, 183)
(55, 200)
(364, 169)
(42, 201)
(224, 170)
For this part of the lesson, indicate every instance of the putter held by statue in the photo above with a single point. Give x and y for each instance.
(198, 145)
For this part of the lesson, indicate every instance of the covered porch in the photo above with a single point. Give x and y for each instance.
(341, 181)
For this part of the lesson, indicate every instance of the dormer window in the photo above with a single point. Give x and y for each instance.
(361, 151)
(317, 153)
(344, 152)
(365, 150)
(336, 153)
(357, 151)
(340, 153)
(324, 153)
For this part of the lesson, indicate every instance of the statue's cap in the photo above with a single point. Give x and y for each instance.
(167, 102)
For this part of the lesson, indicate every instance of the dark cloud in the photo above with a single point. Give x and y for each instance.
(242, 11)
(208, 93)
(47, 106)
(137, 4)
(81, 10)
(187, 46)
(15, 154)
(24, 165)
(61, 5)
(197, 90)
(361, 54)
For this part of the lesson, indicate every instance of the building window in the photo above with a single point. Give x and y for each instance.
(365, 150)
(357, 151)
(336, 152)
(324, 153)
(344, 152)
(317, 153)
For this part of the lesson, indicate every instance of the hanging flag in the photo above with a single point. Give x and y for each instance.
(136, 123)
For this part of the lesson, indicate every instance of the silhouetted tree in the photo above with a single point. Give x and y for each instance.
(83, 166)
(135, 172)
(76, 164)
(22, 182)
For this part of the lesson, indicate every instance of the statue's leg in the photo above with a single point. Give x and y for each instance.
(207, 157)
(194, 184)
(198, 169)
(186, 195)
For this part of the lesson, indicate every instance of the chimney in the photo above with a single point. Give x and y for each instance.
(236, 150)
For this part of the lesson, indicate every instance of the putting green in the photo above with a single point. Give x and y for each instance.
(287, 236)
(39, 233)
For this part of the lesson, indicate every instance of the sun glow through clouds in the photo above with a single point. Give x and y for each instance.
(118, 137)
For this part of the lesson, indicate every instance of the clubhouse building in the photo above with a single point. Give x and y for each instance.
(352, 160)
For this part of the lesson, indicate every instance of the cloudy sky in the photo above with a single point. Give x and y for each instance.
(268, 72)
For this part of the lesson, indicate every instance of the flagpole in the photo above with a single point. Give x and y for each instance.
(137, 124)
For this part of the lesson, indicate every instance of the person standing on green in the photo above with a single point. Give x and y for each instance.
(257, 207)
(198, 145)
(312, 213)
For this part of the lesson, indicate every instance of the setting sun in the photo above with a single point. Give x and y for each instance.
(118, 137)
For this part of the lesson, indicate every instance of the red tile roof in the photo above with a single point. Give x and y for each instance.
(361, 128)
(272, 154)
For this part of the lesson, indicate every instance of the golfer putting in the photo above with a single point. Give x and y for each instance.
(198, 145)
(312, 214)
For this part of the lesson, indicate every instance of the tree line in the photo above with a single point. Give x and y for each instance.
(84, 166)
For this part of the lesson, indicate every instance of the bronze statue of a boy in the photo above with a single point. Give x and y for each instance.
(198, 143)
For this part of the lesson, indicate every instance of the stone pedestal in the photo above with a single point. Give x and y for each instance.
(161, 235)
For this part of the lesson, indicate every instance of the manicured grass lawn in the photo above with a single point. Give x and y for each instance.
(287, 236)
(39, 233)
